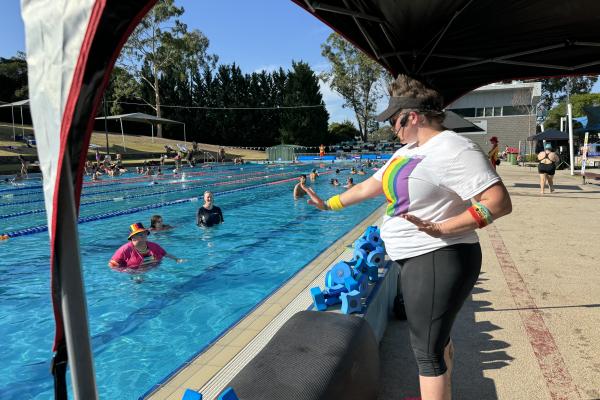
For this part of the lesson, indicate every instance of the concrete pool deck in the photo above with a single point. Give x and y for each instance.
(529, 330)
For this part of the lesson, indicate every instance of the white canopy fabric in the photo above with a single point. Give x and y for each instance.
(16, 104)
(146, 118)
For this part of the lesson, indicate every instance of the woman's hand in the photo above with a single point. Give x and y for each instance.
(180, 260)
(431, 228)
(314, 199)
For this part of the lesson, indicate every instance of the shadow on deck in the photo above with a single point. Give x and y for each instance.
(476, 351)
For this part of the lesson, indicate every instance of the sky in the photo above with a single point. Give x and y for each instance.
(256, 35)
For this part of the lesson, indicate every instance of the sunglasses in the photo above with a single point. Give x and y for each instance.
(403, 121)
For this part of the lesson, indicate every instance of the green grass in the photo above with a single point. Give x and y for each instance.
(137, 148)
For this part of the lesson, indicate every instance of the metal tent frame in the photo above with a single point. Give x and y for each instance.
(20, 104)
(141, 117)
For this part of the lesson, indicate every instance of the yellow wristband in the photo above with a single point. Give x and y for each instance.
(334, 203)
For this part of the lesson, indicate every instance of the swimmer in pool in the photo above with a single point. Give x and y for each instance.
(157, 225)
(298, 191)
(209, 214)
(349, 183)
(139, 254)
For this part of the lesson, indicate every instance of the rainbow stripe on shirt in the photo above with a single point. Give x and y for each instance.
(395, 184)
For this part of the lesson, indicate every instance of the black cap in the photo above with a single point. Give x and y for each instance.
(399, 103)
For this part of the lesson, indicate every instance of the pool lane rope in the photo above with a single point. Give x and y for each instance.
(194, 182)
(81, 220)
(137, 196)
(144, 179)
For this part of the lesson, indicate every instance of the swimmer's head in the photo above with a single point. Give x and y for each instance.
(156, 221)
(302, 178)
(208, 197)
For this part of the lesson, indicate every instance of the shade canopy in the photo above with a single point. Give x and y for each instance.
(458, 124)
(457, 46)
(454, 46)
(591, 122)
(141, 117)
(550, 134)
(20, 103)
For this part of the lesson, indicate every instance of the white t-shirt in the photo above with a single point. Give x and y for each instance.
(433, 182)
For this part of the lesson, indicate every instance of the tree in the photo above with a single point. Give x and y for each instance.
(122, 88)
(161, 43)
(342, 132)
(554, 90)
(13, 78)
(578, 101)
(299, 125)
(355, 77)
(384, 133)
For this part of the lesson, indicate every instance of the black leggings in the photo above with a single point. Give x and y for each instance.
(434, 287)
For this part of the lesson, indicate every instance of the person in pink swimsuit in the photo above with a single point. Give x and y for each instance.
(138, 254)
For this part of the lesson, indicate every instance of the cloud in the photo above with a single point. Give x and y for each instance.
(269, 68)
(334, 104)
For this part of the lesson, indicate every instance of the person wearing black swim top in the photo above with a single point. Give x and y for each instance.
(209, 214)
(547, 167)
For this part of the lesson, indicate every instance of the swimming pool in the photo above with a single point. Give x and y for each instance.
(142, 332)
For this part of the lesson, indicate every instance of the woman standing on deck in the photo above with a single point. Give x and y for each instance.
(547, 167)
(493, 153)
(428, 230)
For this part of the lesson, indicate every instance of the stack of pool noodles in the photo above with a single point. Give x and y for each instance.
(347, 282)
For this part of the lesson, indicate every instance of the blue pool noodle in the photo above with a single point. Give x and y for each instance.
(191, 395)
(228, 394)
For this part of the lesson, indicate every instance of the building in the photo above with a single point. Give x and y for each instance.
(507, 111)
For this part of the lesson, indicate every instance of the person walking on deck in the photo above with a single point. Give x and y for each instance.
(547, 161)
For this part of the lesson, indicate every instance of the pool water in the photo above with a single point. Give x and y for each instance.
(141, 332)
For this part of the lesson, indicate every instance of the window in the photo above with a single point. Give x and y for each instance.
(479, 112)
(497, 111)
(489, 112)
(515, 110)
(465, 112)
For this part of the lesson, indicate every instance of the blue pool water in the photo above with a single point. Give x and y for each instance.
(141, 332)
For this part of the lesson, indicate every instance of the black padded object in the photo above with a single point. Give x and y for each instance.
(315, 355)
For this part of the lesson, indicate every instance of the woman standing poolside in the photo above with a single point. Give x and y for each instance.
(547, 161)
(493, 153)
(428, 230)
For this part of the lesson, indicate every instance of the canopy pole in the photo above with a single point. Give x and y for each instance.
(122, 135)
(184, 137)
(570, 122)
(22, 124)
(152, 125)
(73, 301)
(12, 111)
